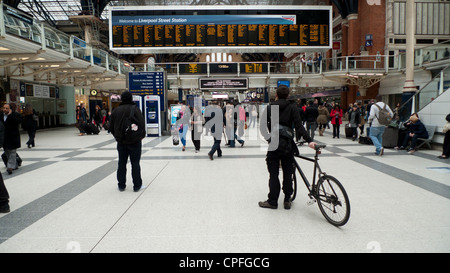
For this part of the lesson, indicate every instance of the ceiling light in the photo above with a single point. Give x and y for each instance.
(3, 48)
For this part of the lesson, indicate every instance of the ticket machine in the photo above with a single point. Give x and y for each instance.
(152, 115)
(138, 100)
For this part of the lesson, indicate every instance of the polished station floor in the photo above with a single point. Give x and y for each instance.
(64, 198)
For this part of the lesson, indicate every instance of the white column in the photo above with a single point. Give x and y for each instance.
(410, 41)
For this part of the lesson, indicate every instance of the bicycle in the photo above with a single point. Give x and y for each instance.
(328, 192)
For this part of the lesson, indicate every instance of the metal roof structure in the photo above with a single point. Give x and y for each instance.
(60, 10)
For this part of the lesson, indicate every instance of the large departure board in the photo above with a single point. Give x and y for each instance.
(207, 27)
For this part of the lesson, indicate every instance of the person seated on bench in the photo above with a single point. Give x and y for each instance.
(416, 130)
(446, 146)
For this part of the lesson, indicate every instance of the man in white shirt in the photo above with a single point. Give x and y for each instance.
(377, 129)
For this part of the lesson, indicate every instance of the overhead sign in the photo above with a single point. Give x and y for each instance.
(223, 84)
(147, 83)
(202, 28)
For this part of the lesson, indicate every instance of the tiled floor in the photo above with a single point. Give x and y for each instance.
(64, 199)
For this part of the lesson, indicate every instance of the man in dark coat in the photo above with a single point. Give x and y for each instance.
(4, 197)
(127, 147)
(11, 120)
(288, 117)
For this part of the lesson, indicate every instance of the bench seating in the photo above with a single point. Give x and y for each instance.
(423, 141)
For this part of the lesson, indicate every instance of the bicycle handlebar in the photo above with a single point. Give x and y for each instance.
(317, 147)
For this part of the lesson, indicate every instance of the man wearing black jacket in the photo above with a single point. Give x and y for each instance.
(11, 120)
(311, 115)
(4, 197)
(128, 147)
(288, 117)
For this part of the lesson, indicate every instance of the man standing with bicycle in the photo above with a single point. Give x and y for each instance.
(277, 122)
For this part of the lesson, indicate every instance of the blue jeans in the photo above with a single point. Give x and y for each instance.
(376, 134)
(133, 151)
(183, 132)
(216, 147)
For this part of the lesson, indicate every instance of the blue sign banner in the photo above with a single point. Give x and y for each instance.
(141, 20)
(147, 83)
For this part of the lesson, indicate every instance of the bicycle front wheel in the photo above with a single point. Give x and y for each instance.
(333, 200)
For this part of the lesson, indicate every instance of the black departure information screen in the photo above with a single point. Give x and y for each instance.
(244, 28)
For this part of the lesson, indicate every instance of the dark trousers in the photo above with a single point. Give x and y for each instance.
(273, 165)
(336, 128)
(196, 139)
(216, 147)
(133, 151)
(234, 138)
(4, 196)
(31, 136)
(413, 140)
(446, 146)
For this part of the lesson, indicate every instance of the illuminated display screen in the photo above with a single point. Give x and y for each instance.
(275, 28)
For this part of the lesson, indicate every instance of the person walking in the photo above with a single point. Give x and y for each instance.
(128, 128)
(253, 115)
(311, 115)
(322, 119)
(377, 129)
(336, 120)
(354, 119)
(183, 124)
(217, 118)
(284, 152)
(29, 124)
(98, 117)
(197, 121)
(11, 120)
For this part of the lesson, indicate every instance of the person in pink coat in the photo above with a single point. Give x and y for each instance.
(336, 119)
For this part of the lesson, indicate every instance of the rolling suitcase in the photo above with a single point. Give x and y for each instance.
(348, 131)
(390, 137)
(86, 128)
(93, 128)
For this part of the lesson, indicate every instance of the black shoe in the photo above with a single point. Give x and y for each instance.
(136, 189)
(267, 205)
(287, 204)
(9, 170)
(210, 156)
(5, 209)
(242, 144)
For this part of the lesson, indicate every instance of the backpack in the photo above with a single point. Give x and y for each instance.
(384, 116)
(131, 131)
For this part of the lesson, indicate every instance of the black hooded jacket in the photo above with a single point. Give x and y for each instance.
(289, 116)
(118, 117)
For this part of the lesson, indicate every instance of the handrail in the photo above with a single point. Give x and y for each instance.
(346, 64)
(50, 37)
(402, 107)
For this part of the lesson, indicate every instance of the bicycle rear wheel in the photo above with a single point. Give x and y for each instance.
(333, 200)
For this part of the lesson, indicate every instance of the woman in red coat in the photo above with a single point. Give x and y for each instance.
(336, 120)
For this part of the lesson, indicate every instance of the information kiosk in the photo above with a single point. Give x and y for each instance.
(152, 115)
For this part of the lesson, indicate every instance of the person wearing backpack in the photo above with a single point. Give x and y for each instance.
(380, 116)
(283, 149)
(128, 128)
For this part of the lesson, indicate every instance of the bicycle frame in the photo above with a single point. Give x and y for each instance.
(316, 169)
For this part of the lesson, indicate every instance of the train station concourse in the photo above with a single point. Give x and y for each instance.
(64, 198)
(68, 67)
